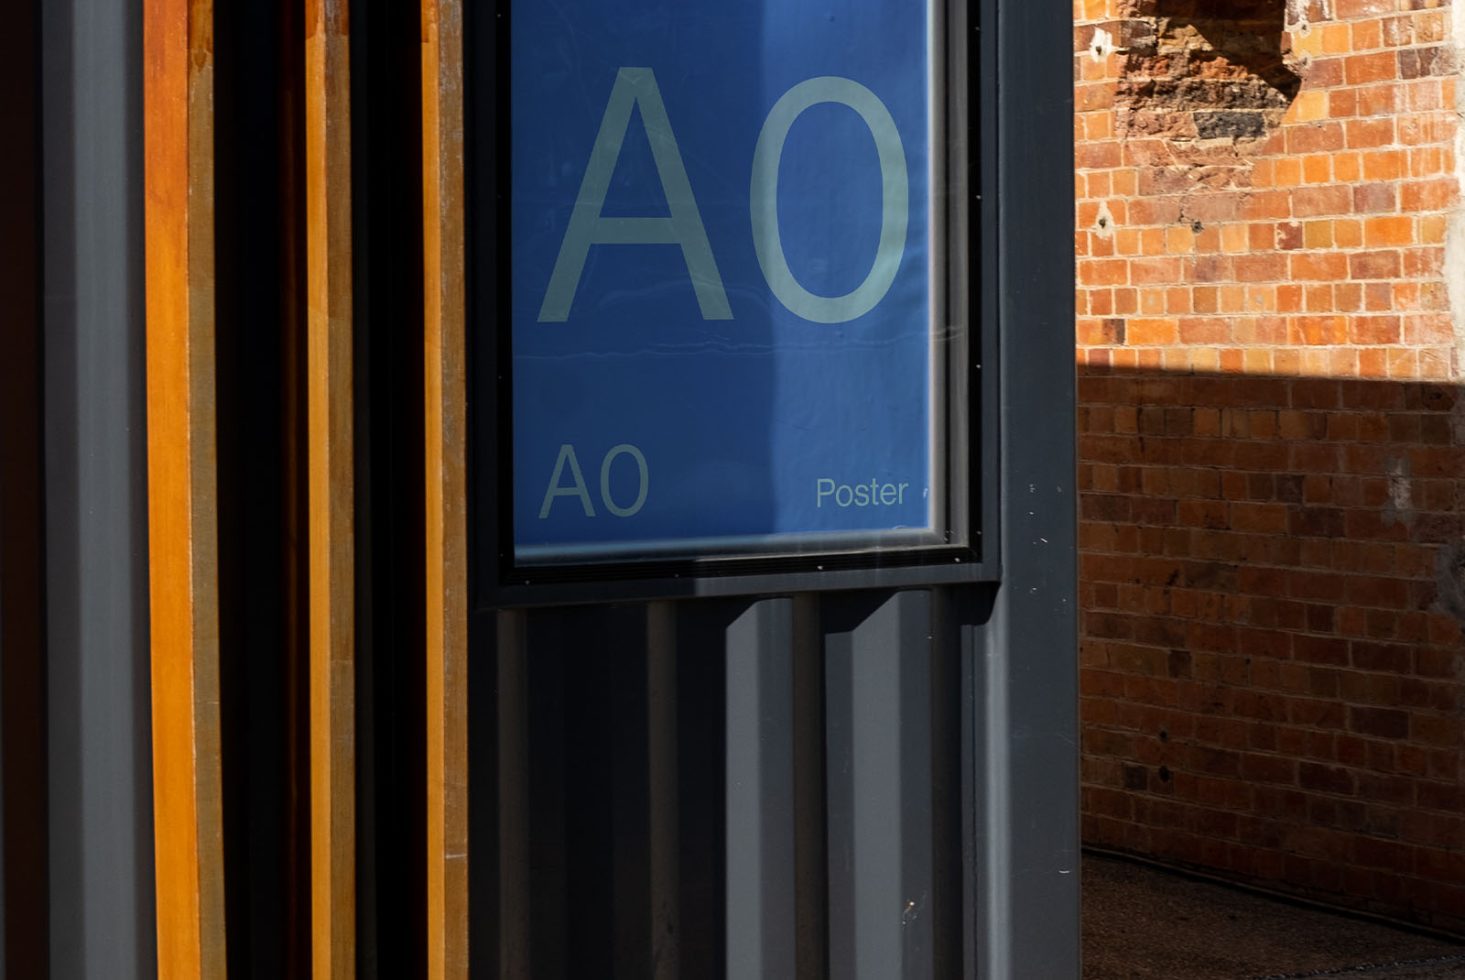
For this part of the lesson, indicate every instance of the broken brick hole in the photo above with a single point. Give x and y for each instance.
(1210, 78)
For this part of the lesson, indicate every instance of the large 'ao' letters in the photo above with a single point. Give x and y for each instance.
(895, 186)
(635, 87)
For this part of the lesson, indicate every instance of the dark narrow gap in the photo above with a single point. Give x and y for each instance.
(627, 736)
(542, 787)
(946, 788)
(391, 716)
(702, 785)
(548, 819)
(544, 686)
(589, 778)
(364, 167)
(24, 898)
(961, 620)
(257, 651)
(811, 824)
(494, 636)
(291, 489)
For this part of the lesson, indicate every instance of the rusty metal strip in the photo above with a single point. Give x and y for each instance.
(447, 537)
(331, 487)
(182, 505)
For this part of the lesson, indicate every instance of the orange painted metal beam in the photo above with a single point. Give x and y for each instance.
(331, 488)
(182, 504)
(447, 528)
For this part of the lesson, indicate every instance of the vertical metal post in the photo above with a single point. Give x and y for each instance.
(761, 885)
(101, 866)
(1026, 670)
(880, 884)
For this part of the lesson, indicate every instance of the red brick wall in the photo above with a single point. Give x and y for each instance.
(1272, 443)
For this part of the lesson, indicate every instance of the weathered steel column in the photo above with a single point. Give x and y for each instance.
(182, 486)
(447, 491)
(330, 467)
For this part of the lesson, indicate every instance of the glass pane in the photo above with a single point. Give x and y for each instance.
(726, 282)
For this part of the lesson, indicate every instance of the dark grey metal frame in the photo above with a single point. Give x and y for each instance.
(972, 428)
(951, 691)
(1024, 664)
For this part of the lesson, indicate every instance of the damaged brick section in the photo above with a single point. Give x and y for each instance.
(1204, 83)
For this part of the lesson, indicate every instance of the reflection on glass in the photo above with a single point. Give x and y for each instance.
(724, 245)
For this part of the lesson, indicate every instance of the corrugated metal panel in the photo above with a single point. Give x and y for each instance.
(879, 781)
(739, 788)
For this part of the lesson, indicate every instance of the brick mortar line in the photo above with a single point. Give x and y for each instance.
(1149, 794)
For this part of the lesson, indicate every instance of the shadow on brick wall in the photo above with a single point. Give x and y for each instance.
(1248, 34)
(1273, 585)
(1213, 79)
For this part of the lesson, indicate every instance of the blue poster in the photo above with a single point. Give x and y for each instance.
(722, 276)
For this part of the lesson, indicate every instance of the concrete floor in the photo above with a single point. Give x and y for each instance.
(1141, 923)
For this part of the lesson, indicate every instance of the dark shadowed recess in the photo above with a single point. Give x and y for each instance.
(263, 679)
(23, 894)
(263, 574)
(391, 694)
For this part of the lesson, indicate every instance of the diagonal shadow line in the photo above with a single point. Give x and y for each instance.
(1263, 63)
(1252, 40)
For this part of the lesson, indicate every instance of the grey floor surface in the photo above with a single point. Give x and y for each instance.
(1142, 923)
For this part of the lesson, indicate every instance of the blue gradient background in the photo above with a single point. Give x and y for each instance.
(738, 418)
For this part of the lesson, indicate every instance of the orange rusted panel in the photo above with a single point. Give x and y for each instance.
(182, 510)
(447, 535)
(330, 477)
